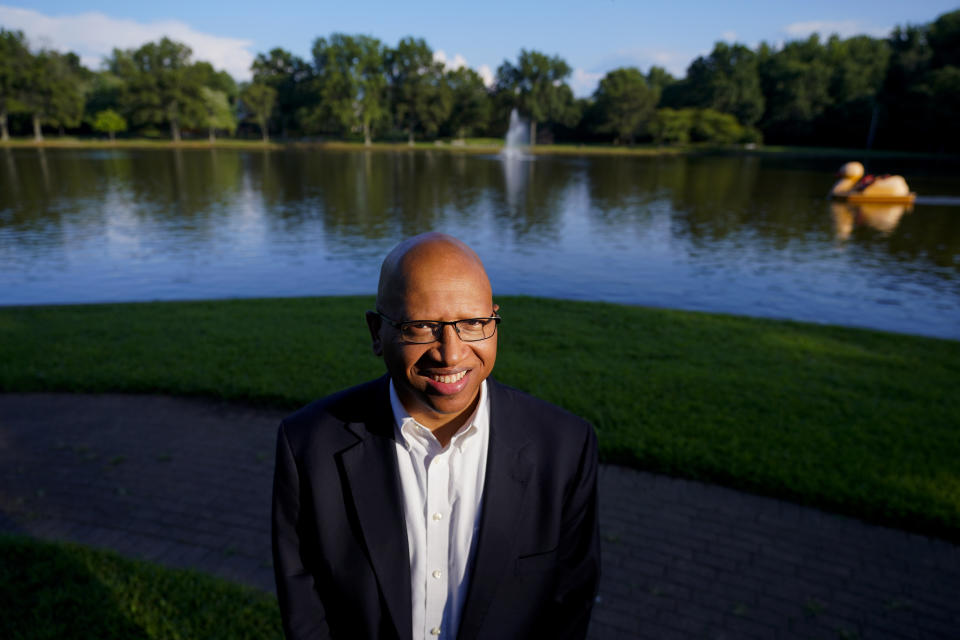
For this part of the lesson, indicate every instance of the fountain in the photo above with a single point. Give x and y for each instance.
(516, 138)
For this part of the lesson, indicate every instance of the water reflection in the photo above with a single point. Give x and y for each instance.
(742, 235)
(882, 217)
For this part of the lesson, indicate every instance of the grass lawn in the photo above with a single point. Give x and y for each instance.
(860, 422)
(50, 591)
(469, 145)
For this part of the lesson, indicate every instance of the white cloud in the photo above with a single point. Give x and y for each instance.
(729, 36)
(674, 61)
(487, 74)
(93, 36)
(459, 61)
(843, 28)
(584, 83)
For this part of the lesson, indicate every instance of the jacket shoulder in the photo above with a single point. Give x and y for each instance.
(367, 403)
(535, 412)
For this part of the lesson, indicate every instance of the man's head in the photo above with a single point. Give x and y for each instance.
(434, 277)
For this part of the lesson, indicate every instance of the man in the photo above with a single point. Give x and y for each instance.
(435, 502)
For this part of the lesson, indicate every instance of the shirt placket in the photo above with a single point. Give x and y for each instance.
(438, 542)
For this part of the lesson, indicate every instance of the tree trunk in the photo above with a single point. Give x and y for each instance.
(4, 134)
(175, 130)
(410, 137)
(263, 130)
(113, 136)
(213, 136)
(37, 130)
(873, 126)
(533, 132)
(366, 134)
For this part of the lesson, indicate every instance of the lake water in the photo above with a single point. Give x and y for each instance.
(744, 235)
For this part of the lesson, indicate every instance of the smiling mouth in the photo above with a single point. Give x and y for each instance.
(449, 379)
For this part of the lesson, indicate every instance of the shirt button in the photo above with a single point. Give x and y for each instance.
(438, 516)
(435, 631)
(437, 573)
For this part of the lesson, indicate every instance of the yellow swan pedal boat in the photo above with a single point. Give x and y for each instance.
(854, 187)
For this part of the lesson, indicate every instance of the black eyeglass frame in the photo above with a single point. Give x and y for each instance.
(440, 324)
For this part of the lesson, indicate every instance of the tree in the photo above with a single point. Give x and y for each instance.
(258, 99)
(727, 80)
(672, 125)
(218, 114)
(858, 68)
(659, 79)
(796, 83)
(294, 82)
(159, 85)
(625, 103)
(470, 102)
(943, 36)
(352, 84)
(110, 122)
(15, 60)
(420, 97)
(54, 95)
(536, 84)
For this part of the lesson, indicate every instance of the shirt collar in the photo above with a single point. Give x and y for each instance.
(408, 429)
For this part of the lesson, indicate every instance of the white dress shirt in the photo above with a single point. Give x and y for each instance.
(442, 495)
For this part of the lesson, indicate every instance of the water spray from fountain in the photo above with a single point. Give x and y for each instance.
(517, 137)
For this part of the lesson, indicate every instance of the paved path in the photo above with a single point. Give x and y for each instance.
(186, 483)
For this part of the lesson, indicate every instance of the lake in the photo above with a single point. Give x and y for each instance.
(735, 234)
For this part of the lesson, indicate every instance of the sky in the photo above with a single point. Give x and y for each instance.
(593, 36)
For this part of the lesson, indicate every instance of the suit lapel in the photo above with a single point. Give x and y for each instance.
(505, 484)
(371, 471)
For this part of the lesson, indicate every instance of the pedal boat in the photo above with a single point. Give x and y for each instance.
(855, 188)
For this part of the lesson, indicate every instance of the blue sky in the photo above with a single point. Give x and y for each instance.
(592, 36)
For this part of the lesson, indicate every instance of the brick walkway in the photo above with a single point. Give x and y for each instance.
(186, 483)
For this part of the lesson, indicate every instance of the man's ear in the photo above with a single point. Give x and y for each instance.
(373, 324)
(496, 308)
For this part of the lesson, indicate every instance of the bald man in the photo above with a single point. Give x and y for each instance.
(435, 502)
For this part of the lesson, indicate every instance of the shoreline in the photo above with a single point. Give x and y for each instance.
(473, 148)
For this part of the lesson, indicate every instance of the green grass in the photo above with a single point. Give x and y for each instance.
(55, 590)
(471, 145)
(860, 422)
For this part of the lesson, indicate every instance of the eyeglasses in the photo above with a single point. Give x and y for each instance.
(427, 331)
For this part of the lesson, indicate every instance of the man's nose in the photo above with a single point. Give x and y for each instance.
(449, 345)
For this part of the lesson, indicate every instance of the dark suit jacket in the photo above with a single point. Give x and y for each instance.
(340, 542)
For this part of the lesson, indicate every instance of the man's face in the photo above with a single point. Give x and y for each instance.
(438, 382)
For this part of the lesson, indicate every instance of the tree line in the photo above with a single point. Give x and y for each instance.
(899, 92)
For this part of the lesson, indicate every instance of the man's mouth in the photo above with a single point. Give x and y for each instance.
(449, 379)
(447, 384)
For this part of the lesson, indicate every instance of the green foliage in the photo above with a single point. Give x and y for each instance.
(679, 126)
(896, 93)
(420, 97)
(15, 62)
(625, 103)
(56, 590)
(160, 87)
(110, 122)
(727, 81)
(295, 84)
(218, 114)
(858, 421)
(672, 126)
(259, 98)
(470, 108)
(536, 87)
(352, 84)
(54, 94)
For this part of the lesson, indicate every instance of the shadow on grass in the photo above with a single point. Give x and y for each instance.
(56, 590)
